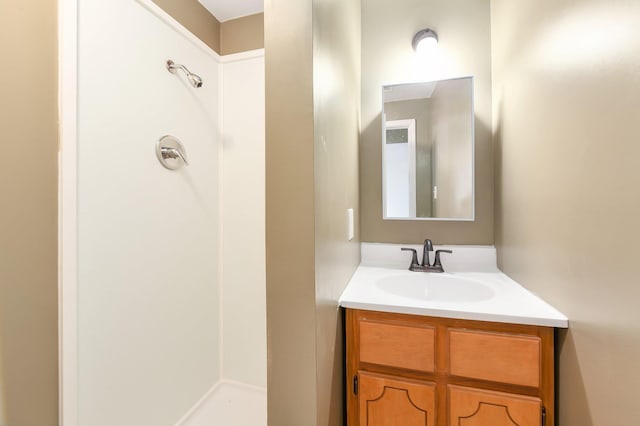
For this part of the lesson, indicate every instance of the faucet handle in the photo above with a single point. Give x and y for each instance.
(414, 256)
(436, 262)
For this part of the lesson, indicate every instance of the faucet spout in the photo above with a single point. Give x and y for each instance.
(428, 246)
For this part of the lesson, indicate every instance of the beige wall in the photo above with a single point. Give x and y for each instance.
(242, 34)
(452, 133)
(336, 96)
(567, 102)
(232, 36)
(28, 236)
(312, 120)
(291, 339)
(195, 17)
(387, 58)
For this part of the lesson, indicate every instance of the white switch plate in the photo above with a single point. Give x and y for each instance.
(350, 226)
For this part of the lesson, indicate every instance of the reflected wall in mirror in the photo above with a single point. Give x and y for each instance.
(428, 150)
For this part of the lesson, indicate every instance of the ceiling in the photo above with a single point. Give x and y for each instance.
(407, 92)
(225, 10)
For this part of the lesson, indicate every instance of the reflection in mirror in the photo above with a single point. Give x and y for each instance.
(428, 150)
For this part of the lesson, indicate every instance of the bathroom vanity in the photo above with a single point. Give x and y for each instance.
(460, 348)
(423, 370)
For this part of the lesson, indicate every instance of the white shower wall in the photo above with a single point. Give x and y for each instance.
(157, 328)
(244, 334)
(240, 397)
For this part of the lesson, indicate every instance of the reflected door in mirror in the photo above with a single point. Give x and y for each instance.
(399, 168)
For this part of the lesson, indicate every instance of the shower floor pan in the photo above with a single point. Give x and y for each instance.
(230, 404)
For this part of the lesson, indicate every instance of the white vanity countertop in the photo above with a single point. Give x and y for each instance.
(472, 288)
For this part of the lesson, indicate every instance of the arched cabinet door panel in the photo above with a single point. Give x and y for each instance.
(475, 407)
(391, 401)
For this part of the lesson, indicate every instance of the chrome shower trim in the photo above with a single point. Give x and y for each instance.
(195, 79)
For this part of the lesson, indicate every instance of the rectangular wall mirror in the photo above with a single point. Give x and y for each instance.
(428, 150)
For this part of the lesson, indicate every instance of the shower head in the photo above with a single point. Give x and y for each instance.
(195, 79)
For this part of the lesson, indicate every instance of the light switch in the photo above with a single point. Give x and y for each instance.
(350, 226)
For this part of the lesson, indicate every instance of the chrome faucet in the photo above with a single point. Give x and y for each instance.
(425, 265)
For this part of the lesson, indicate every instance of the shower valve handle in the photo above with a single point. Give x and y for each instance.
(174, 153)
(171, 153)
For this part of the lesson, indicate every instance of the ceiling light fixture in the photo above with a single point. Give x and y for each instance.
(425, 41)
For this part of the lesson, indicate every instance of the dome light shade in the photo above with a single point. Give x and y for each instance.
(425, 41)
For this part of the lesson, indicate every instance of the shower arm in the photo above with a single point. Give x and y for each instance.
(195, 79)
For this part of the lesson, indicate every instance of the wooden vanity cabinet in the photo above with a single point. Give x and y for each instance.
(410, 370)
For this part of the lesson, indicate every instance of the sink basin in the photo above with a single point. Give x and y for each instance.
(435, 287)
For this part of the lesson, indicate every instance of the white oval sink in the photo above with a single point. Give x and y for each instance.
(435, 287)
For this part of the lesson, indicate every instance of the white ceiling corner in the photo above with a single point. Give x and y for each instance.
(407, 92)
(225, 10)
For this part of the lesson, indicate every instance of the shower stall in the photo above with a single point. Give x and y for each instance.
(162, 295)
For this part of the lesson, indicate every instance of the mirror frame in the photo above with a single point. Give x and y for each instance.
(383, 132)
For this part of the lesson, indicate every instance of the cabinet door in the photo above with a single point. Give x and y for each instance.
(475, 407)
(394, 401)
